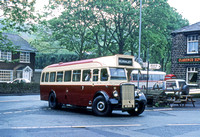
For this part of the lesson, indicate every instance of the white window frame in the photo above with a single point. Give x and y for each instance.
(191, 70)
(6, 75)
(5, 55)
(192, 39)
(25, 57)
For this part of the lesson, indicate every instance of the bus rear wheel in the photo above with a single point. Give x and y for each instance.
(101, 107)
(53, 101)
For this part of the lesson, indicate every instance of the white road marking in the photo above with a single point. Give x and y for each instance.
(17, 111)
(96, 126)
(163, 109)
(7, 112)
(83, 126)
(6, 101)
(194, 124)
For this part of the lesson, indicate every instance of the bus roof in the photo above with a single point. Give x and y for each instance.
(125, 61)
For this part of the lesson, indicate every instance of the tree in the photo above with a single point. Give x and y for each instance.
(16, 15)
(159, 20)
(111, 27)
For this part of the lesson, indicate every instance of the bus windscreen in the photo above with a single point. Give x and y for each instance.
(117, 74)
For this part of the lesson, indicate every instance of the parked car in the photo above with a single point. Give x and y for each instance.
(20, 80)
(173, 85)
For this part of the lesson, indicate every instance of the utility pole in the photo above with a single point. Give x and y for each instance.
(139, 59)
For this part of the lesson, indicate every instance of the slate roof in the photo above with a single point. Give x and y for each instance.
(19, 42)
(191, 28)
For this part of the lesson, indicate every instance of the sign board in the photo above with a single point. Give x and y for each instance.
(189, 60)
(125, 61)
(151, 66)
(154, 66)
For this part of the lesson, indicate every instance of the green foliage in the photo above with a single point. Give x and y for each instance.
(15, 16)
(43, 60)
(112, 27)
(159, 20)
(19, 88)
(18, 15)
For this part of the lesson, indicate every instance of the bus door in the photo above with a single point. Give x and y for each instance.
(68, 88)
(86, 88)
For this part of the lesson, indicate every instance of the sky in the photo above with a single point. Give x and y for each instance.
(189, 9)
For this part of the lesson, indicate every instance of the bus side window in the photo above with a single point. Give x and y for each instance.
(95, 75)
(104, 75)
(59, 76)
(68, 75)
(43, 74)
(86, 75)
(52, 76)
(47, 77)
(76, 75)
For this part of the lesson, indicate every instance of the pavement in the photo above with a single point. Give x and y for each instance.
(176, 107)
(194, 91)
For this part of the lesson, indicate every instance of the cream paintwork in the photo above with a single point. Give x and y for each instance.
(97, 63)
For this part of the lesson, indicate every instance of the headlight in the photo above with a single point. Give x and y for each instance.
(138, 93)
(141, 94)
(115, 93)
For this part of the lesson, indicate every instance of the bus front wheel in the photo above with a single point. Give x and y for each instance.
(101, 107)
(141, 108)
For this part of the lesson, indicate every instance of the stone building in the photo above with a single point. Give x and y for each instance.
(19, 64)
(186, 54)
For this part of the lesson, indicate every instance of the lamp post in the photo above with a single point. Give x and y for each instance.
(139, 59)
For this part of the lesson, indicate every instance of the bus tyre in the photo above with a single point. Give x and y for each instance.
(101, 107)
(52, 101)
(140, 110)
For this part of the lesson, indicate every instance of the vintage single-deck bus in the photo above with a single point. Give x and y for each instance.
(101, 83)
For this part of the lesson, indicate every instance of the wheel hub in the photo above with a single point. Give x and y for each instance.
(100, 106)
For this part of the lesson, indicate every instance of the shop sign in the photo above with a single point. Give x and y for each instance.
(189, 60)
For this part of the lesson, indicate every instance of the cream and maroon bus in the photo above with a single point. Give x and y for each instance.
(102, 84)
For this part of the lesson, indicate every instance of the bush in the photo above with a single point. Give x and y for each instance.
(20, 88)
(43, 60)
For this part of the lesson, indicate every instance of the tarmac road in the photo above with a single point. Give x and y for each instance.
(28, 116)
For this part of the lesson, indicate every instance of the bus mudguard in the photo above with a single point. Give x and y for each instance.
(52, 91)
(105, 95)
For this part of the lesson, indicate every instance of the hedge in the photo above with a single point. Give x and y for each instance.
(20, 88)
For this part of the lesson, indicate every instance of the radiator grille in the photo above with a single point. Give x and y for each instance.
(128, 96)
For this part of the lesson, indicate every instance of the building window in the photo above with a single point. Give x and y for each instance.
(25, 57)
(4, 55)
(6, 75)
(192, 44)
(192, 75)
